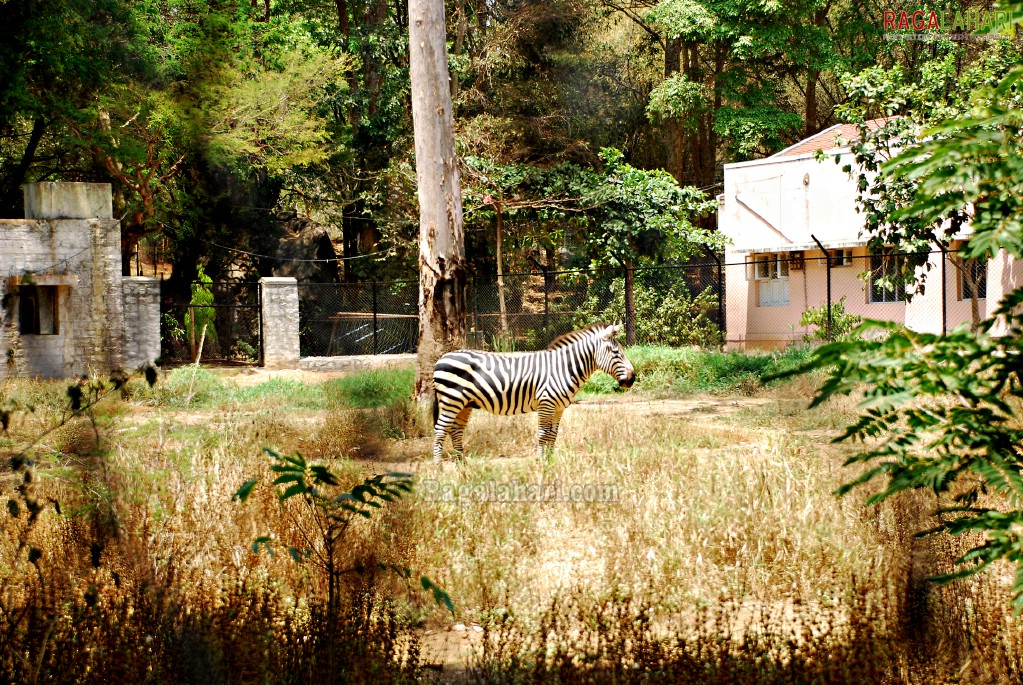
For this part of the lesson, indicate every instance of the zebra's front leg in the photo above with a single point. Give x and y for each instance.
(547, 433)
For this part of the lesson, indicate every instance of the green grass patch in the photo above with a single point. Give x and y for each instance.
(661, 371)
(372, 388)
(281, 392)
(667, 371)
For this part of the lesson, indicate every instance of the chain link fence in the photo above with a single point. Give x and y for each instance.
(681, 305)
(788, 298)
(765, 300)
(360, 318)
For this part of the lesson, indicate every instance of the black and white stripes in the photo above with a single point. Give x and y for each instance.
(518, 383)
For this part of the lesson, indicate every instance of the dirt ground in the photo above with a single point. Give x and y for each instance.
(252, 375)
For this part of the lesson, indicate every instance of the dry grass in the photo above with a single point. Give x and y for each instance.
(714, 552)
(700, 512)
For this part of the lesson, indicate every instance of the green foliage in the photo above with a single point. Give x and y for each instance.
(889, 194)
(641, 214)
(749, 130)
(334, 509)
(171, 329)
(942, 412)
(664, 316)
(674, 372)
(206, 387)
(842, 322)
(679, 98)
(201, 319)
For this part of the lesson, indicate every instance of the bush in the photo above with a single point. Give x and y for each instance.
(842, 322)
(669, 316)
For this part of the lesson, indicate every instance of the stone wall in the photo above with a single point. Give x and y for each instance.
(79, 258)
(141, 321)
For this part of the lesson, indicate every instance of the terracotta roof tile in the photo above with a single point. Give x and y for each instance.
(826, 139)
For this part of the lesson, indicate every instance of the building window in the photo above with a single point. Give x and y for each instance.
(974, 271)
(887, 283)
(771, 271)
(770, 266)
(39, 310)
(841, 258)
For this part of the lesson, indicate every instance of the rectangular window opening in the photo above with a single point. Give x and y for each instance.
(39, 310)
(771, 271)
(887, 283)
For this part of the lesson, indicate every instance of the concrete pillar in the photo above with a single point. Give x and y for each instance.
(279, 298)
(141, 321)
(923, 312)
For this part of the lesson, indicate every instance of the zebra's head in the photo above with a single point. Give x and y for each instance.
(611, 359)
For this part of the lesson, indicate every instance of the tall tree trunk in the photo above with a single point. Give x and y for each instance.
(342, 16)
(12, 195)
(812, 123)
(674, 133)
(441, 238)
(552, 266)
(811, 104)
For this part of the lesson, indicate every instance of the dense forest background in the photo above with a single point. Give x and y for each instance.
(225, 127)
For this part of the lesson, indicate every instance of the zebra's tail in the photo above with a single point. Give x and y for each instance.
(436, 406)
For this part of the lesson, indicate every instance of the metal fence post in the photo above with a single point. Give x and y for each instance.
(827, 261)
(476, 307)
(546, 306)
(720, 287)
(721, 299)
(630, 298)
(375, 348)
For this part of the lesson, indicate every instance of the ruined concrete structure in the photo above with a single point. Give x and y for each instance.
(65, 309)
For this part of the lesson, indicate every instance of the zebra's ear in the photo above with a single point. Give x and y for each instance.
(611, 331)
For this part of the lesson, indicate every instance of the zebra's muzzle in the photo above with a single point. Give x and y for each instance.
(628, 381)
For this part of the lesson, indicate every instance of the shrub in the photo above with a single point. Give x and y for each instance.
(666, 316)
(842, 322)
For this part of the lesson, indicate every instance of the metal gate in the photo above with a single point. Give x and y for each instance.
(222, 318)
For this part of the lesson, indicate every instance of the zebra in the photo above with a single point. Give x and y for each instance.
(523, 382)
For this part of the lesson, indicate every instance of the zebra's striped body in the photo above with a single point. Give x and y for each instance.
(520, 383)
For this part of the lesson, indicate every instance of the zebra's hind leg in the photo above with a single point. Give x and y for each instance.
(440, 431)
(458, 431)
(453, 424)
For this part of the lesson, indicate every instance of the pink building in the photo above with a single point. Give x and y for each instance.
(780, 211)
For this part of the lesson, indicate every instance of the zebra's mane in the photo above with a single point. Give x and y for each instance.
(573, 336)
